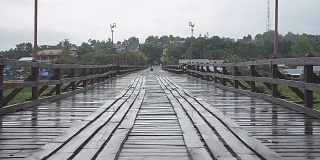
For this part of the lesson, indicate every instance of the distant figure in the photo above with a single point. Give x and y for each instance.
(151, 68)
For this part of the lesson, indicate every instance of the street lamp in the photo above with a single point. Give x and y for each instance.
(126, 43)
(35, 38)
(170, 47)
(192, 25)
(112, 26)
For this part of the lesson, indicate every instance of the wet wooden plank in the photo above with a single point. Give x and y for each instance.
(153, 130)
(265, 119)
(51, 119)
(111, 150)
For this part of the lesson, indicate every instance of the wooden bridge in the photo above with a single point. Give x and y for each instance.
(121, 112)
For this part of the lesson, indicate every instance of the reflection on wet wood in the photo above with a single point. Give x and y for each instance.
(25, 131)
(159, 115)
(291, 134)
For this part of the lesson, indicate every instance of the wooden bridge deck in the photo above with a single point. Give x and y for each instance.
(159, 115)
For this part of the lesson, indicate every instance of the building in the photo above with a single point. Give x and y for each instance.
(185, 61)
(121, 48)
(73, 52)
(46, 56)
(26, 59)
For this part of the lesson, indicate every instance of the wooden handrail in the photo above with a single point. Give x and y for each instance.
(230, 76)
(77, 76)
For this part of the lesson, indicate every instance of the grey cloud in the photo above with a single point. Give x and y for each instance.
(10, 37)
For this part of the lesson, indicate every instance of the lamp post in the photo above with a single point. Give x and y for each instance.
(276, 41)
(192, 25)
(126, 43)
(112, 26)
(35, 38)
(170, 47)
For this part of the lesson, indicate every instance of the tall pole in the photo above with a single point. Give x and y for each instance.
(126, 44)
(112, 26)
(268, 28)
(192, 26)
(276, 35)
(112, 47)
(35, 48)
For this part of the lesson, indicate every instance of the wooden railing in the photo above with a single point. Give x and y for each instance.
(65, 80)
(242, 77)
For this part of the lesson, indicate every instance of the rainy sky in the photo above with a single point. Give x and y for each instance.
(80, 20)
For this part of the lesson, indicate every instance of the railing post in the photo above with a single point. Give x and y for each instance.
(35, 77)
(308, 78)
(72, 74)
(203, 71)
(114, 70)
(98, 78)
(57, 75)
(274, 68)
(107, 70)
(208, 71)
(224, 72)
(199, 71)
(252, 74)
(1, 90)
(236, 73)
(215, 70)
(84, 73)
(189, 69)
(91, 72)
(102, 72)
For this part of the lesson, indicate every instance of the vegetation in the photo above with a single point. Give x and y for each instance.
(169, 49)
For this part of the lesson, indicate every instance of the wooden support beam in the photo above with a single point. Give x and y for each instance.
(295, 90)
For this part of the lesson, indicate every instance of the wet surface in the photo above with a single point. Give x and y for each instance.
(156, 133)
(291, 134)
(25, 131)
(160, 129)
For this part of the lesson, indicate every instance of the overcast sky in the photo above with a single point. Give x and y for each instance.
(80, 20)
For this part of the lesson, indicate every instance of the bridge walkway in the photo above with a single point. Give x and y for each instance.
(159, 115)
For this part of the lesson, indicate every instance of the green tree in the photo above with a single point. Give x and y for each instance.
(152, 51)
